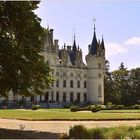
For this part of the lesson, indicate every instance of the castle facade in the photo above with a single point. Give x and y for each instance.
(73, 79)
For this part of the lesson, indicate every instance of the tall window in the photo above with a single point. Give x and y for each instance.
(64, 97)
(85, 84)
(99, 65)
(40, 98)
(99, 91)
(71, 97)
(64, 83)
(23, 98)
(32, 98)
(78, 97)
(71, 83)
(57, 96)
(78, 84)
(47, 97)
(52, 96)
(85, 97)
(57, 83)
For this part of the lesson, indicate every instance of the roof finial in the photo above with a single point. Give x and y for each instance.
(74, 42)
(94, 20)
(74, 33)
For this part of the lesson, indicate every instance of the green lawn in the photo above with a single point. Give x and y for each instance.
(65, 114)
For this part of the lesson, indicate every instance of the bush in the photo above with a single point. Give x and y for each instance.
(111, 107)
(79, 131)
(35, 107)
(64, 136)
(120, 107)
(121, 132)
(136, 106)
(94, 109)
(74, 108)
(97, 133)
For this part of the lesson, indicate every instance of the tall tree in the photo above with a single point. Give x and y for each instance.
(108, 85)
(135, 85)
(22, 68)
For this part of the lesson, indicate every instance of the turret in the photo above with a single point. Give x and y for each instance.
(95, 71)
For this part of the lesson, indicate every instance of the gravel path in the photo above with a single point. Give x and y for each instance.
(60, 126)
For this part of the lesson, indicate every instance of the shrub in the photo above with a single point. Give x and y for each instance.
(64, 136)
(79, 131)
(74, 108)
(38, 106)
(120, 107)
(136, 107)
(122, 132)
(97, 133)
(35, 107)
(94, 109)
(116, 133)
(111, 107)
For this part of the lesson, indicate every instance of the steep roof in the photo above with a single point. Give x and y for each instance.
(93, 46)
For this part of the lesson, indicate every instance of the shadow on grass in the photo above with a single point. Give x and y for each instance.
(25, 134)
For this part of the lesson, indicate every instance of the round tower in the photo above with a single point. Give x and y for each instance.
(95, 71)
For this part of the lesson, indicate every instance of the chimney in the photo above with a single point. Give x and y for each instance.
(56, 42)
(51, 34)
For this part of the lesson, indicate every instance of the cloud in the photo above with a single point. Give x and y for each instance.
(133, 41)
(114, 49)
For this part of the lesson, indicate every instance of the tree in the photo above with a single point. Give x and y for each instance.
(135, 85)
(22, 68)
(121, 67)
(108, 85)
(117, 86)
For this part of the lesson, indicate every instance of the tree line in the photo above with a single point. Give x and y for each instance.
(122, 86)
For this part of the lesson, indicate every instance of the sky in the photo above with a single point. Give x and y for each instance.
(118, 21)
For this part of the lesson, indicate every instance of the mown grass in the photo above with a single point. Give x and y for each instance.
(65, 114)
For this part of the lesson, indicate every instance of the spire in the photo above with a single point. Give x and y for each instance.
(93, 47)
(74, 45)
(102, 43)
